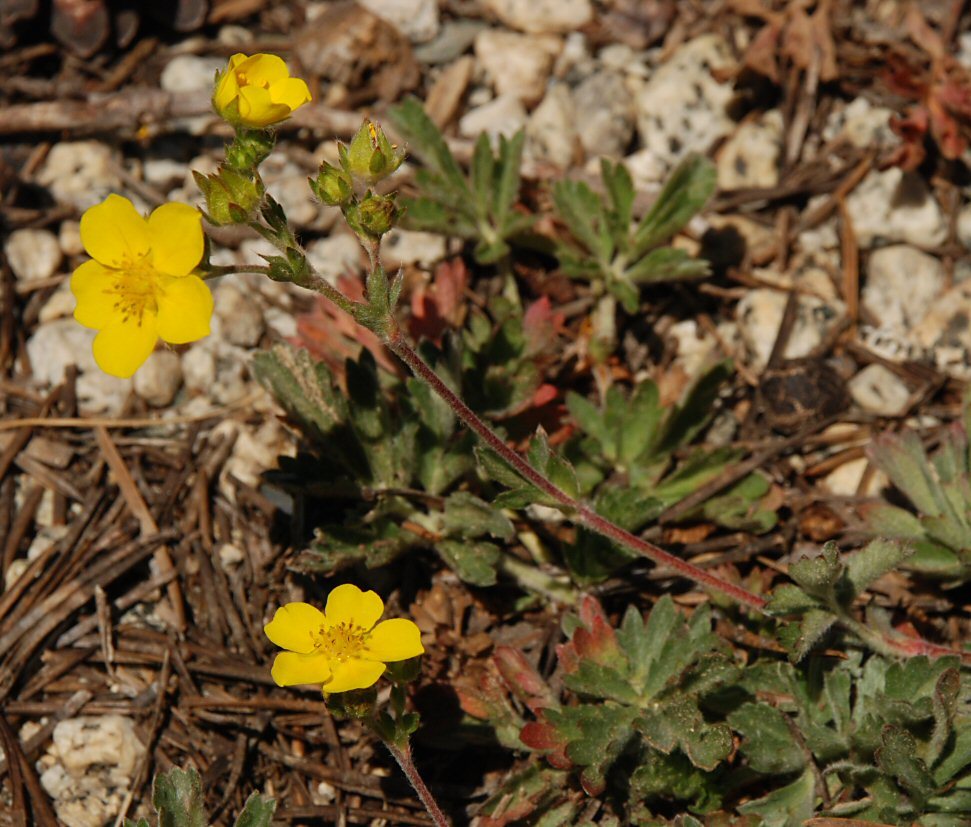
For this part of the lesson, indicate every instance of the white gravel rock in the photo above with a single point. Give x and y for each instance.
(163, 172)
(415, 19)
(80, 173)
(99, 392)
(199, 367)
(159, 379)
(964, 225)
(517, 64)
(895, 206)
(607, 125)
(759, 316)
(902, 283)
(240, 317)
(750, 158)
(862, 124)
(190, 73)
(403, 247)
(69, 237)
(60, 305)
(55, 346)
(550, 134)
(539, 16)
(33, 254)
(682, 108)
(88, 768)
(504, 115)
(336, 256)
(844, 481)
(880, 391)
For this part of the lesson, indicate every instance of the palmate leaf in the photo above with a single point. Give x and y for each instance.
(785, 806)
(178, 798)
(425, 141)
(667, 264)
(258, 812)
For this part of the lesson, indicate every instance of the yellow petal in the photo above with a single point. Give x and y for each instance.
(257, 110)
(348, 604)
(176, 237)
(114, 233)
(93, 287)
(226, 89)
(391, 640)
(236, 59)
(291, 92)
(122, 348)
(263, 69)
(354, 674)
(184, 309)
(293, 625)
(291, 668)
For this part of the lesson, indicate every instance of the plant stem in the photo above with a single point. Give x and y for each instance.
(584, 515)
(217, 270)
(403, 756)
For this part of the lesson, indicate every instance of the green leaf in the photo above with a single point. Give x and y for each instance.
(552, 466)
(304, 388)
(258, 812)
(468, 516)
(769, 745)
(875, 560)
(800, 639)
(178, 798)
(426, 142)
(684, 194)
(679, 723)
(686, 420)
(897, 756)
(787, 806)
(892, 521)
(475, 562)
(620, 189)
(507, 188)
(904, 460)
(667, 264)
(582, 212)
(483, 172)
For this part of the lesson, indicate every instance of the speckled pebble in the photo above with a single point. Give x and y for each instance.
(33, 255)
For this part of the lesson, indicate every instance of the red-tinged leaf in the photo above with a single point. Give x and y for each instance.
(332, 336)
(946, 130)
(912, 129)
(471, 702)
(593, 782)
(543, 395)
(541, 736)
(522, 679)
(599, 643)
(438, 306)
(568, 658)
(955, 95)
(590, 610)
(902, 79)
(541, 326)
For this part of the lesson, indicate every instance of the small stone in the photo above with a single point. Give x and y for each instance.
(504, 115)
(403, 247)
(69, 237)
(862, 124)
(60, 305)
(750, 158)
(158, 380)
(895, 206)
(415, 19)
(454, 40)
(682, 108)
(287, 183)
(607, 125)
(901, 284)
(230, 556)
(964, 226)
(80, 173)
(539, 16)
(517, 64)
(163, 172)
(240, 317)
(759, 316)
(54, 346)
(190, 73)
(880, 391)
(100, 392)
(199, 367)
(336, 256)
(33, 255)
(89, 767)
(550, 134)
(844, 481)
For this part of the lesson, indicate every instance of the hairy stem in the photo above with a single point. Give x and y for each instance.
(583, 514)
(403, 756)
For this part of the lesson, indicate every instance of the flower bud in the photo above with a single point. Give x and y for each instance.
(332, 186)
(373, 216)
(404, 671)
(356, 703)
(371, 157)
(231, 197)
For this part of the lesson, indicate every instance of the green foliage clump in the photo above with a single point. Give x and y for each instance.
(610, 250)
(939, 489)
(480, 207)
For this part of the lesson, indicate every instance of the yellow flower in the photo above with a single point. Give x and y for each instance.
(339, 647)
(139, 286)
(258, 91)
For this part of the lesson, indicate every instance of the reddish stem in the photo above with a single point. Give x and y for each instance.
(584, 514)
(403, 756)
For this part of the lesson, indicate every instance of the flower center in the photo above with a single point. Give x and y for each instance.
(135, 290)
(243, 80)
(340, 642)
